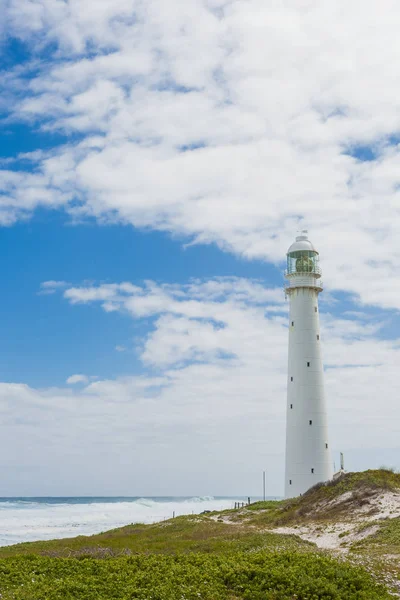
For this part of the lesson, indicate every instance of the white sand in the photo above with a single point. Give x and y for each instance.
(327, 536)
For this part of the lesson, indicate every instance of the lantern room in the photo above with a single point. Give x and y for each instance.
(302, 257)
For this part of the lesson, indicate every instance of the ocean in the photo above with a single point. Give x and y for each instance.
(30, 519)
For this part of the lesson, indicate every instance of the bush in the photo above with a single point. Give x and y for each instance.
(246, 576)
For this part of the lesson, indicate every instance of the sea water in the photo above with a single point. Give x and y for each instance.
(30, 519)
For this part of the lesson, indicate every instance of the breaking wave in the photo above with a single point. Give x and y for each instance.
(30, 519)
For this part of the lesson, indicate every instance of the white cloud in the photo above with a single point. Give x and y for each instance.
(73, 379)
(265, 99)
(227, 123)
(209, 415)
(51, 287)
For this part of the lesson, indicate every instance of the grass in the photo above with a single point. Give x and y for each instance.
(386, 541)
(229, 555)
(325, 502)
(182, 535)
(265, 505)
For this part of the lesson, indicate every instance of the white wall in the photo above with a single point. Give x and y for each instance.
(305, 443)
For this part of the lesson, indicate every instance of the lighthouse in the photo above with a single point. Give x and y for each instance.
(308, 455)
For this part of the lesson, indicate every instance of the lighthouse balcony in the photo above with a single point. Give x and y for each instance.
(303, 280)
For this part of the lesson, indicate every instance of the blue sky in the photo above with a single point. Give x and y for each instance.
(44, 339)
(155, 164)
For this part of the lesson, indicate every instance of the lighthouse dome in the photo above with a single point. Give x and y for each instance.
(302, 243)
(302, 258)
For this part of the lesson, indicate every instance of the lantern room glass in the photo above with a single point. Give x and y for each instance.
(303, 262)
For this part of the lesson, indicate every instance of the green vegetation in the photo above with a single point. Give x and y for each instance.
(176, 536)
(385, 541)
(265, 505)
(382, 479)
(229, 555)
(247, 576)
(327, 502)
(323, 502)
(186, 558)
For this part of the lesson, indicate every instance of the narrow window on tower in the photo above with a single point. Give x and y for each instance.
(312, 470)
(308, 364)
(290, 482)
(316, 309)
(310, 422)
(326, 446)
(291, 406)
(292, 323)
(317, 337)
(291, 379)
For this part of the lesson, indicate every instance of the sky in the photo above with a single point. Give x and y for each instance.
(157, 159)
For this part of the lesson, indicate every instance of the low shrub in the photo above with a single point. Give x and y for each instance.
(243, 576)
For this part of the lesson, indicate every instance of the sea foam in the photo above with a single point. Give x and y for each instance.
(26, 519)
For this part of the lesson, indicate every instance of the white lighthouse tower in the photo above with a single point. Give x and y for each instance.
(308, 457)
